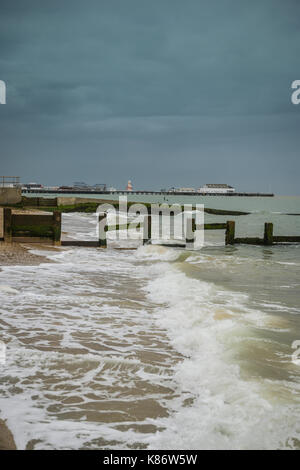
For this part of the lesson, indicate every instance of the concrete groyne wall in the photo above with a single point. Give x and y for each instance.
(10, 195)
(39, 201)
(69, 201)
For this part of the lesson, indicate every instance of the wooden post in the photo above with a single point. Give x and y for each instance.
(7, 225)
(230, 232)
(189, 232)
(193, 225)
(268, 235)
(147, 229)
(56, 228)
(102, 221)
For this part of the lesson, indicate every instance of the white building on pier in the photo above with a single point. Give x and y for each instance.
(216, 188)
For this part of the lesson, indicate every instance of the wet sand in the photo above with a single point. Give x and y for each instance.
(6, 438)
(17, 254)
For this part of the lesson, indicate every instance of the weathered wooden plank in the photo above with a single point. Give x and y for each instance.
(250, 241)
(86, 243)
(230, 233)
(171, 245)
(56, 221)
(102, 222)
(224, 212)
(190, 228)
(7, 225)
(50, 202)
(33, 230)
(286, 239)
(39, 201)
(30, 219)
(33, 240)
(147, 229)
(268, 233)
(215, 226)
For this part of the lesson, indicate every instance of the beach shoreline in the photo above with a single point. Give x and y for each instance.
(14, 254)
(7, 441)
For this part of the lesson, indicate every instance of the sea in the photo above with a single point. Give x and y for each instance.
(157, 347)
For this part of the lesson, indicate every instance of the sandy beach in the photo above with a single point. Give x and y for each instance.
(19, 254)
(16, 253)
(6, 438)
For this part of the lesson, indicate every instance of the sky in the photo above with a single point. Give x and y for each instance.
(166, 93)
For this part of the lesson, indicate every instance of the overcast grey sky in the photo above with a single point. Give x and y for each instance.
(162, 92)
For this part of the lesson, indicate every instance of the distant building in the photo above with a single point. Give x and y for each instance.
(80, 185)
(66, 188)
(129, 186)
(99, 186)
(216, 188)
(32, 186)
(186, 190)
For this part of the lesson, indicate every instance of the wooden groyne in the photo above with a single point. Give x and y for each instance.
(37, 228)
(31, 228)
(229, 227)
(39, 201)
(268, 239)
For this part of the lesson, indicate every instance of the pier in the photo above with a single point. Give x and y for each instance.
(142, 192)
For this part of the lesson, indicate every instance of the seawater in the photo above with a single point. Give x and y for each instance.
(156, 347)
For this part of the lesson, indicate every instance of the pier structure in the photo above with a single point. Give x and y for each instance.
(45, 192)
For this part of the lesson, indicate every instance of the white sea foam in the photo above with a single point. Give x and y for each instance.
(228, 411)
(8, 289)
(157, 252)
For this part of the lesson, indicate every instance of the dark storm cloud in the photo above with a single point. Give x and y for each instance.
(103, 87)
